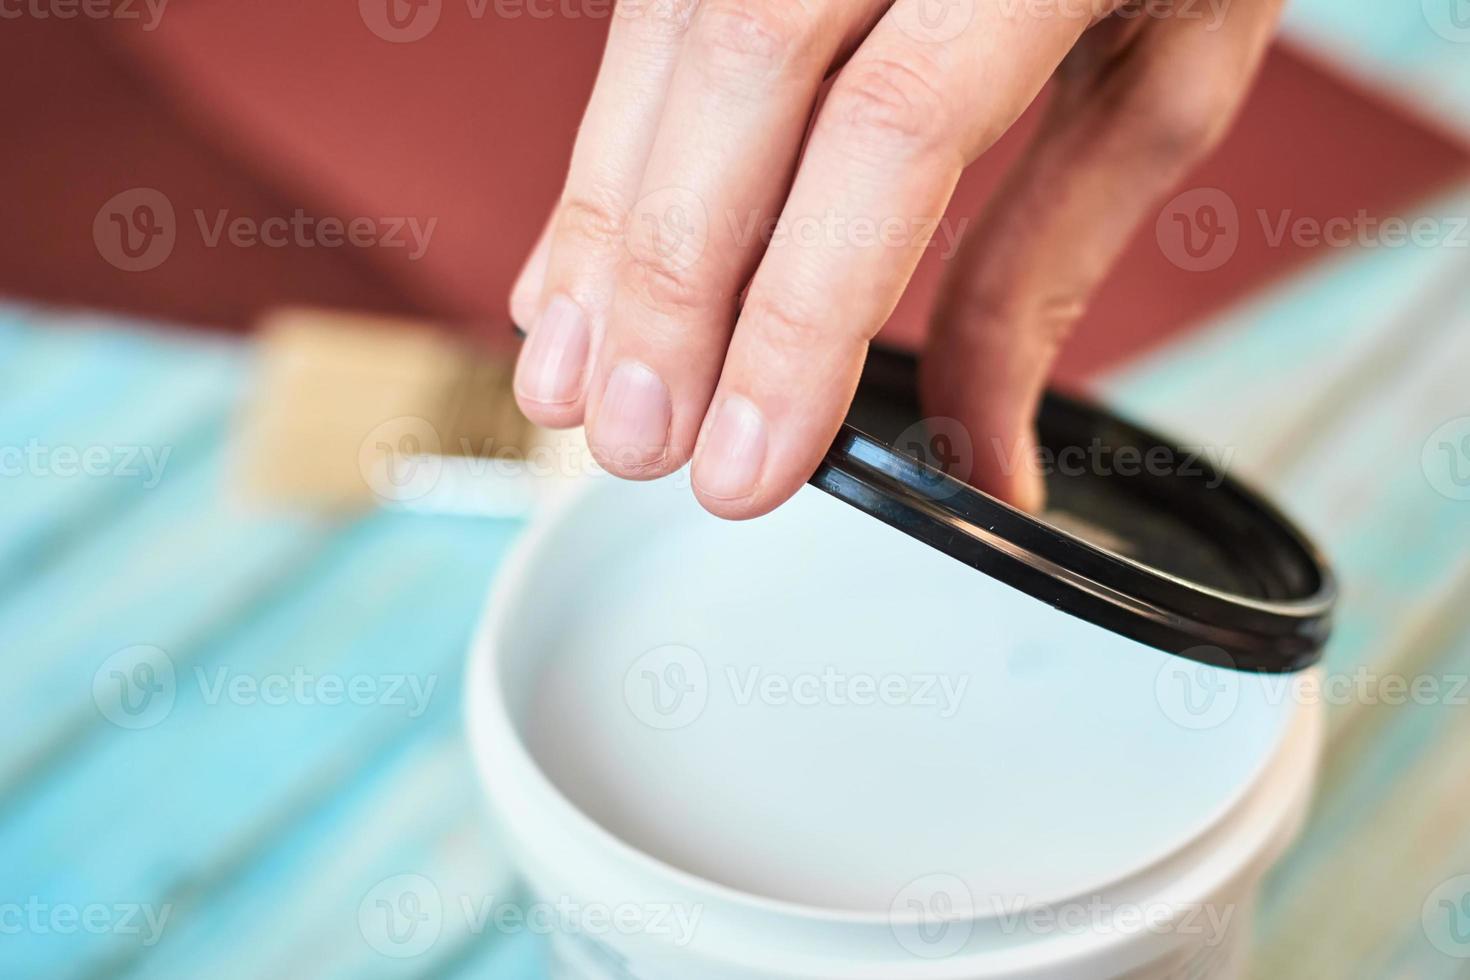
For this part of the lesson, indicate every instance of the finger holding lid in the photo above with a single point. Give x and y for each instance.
(1137, 105)
(727, 145)
(568, 292)
(919, 100)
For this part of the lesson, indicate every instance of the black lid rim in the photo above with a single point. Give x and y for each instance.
(1189, 619)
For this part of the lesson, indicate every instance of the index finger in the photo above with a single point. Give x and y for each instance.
(917, 102)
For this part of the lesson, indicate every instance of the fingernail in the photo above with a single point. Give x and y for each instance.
(551, 364)
(733, 452)
(632, 424)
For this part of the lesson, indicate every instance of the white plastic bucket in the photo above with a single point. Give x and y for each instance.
(1090, 807)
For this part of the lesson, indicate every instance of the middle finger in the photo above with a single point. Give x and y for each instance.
(739, 103)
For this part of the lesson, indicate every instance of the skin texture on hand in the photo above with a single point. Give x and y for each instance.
(755, 181)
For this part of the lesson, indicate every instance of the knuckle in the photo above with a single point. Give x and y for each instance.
(1183, 125)
(591, 222)
(888, 102)
(664, 19)
(660, 283)
(786, 326)
(1046, 319)
(750, 35)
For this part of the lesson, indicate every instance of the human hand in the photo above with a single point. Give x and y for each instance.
(662, 317)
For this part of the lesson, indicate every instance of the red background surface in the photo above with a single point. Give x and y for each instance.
(262, 108)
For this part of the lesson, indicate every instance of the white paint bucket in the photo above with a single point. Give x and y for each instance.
(693, 795)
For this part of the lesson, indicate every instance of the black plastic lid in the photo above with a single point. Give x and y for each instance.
(1167, 550)
(1175, 553)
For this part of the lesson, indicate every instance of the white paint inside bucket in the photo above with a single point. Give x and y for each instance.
(1030, 754)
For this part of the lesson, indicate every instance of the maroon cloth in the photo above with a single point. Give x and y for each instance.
(258, 109)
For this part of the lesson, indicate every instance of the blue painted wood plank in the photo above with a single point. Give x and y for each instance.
(1245, 377)
(1386, 831)
(1370, 356)
(307, 905)
(98, 418)
(395, 596)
